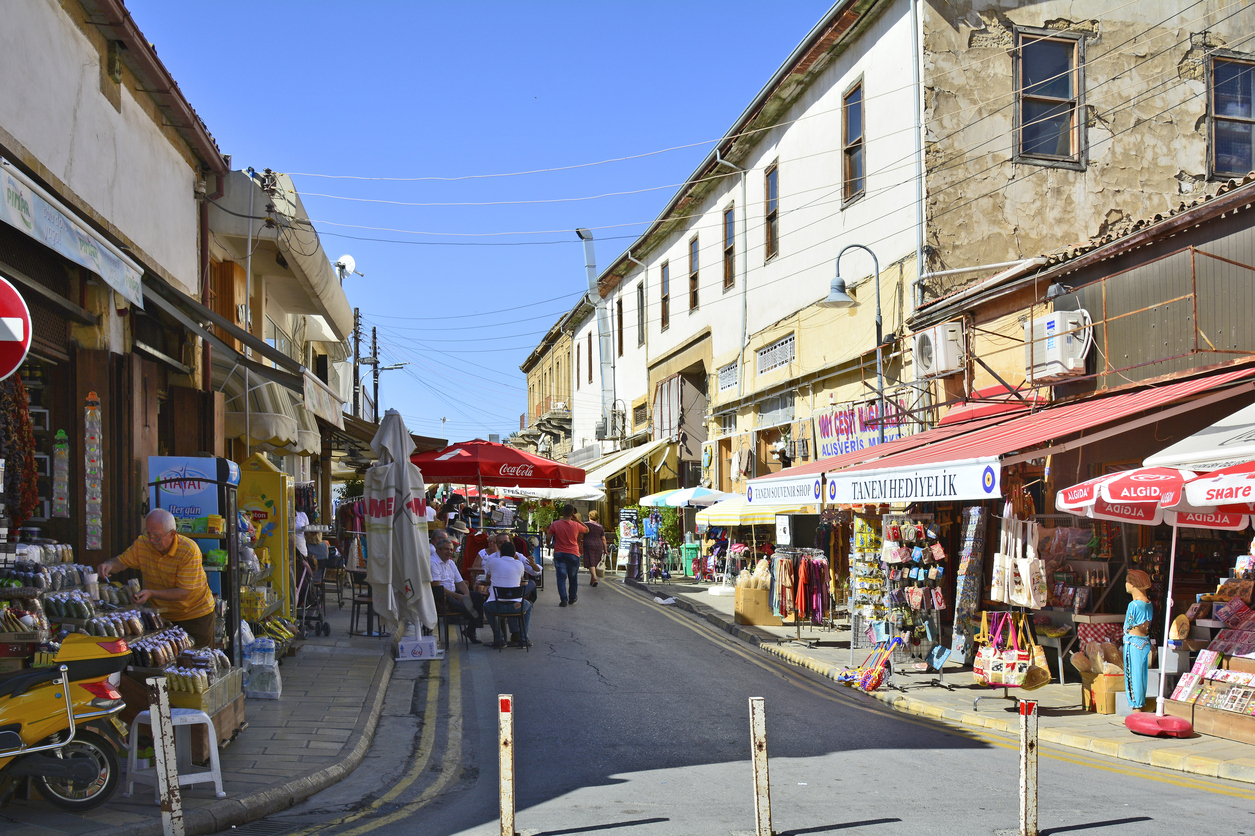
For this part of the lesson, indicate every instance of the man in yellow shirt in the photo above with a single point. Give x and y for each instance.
(173, 576)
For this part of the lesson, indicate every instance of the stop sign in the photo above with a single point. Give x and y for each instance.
(15, 329)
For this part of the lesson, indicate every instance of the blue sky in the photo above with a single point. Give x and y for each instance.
(461, 90)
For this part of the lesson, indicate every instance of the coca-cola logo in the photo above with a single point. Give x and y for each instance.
(516, 470)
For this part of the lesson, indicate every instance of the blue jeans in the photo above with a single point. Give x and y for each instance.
(509, 609)
(566, 566)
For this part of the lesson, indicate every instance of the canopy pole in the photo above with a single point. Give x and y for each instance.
(1167, 625)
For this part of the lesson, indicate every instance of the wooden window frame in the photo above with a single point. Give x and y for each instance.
(853, 188)
(693, 270)
(618, 310)
(1078, 158)
(577, 366)
(771, 210)
(1227, 57)
(664, 298)
(590, 355)
(640, 313)
(729, 247)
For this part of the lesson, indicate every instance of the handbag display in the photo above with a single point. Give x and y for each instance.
(1013, 661)
(1039, 669)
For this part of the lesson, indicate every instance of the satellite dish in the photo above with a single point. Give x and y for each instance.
(345, 265)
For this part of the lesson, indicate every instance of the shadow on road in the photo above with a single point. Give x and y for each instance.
(1071, 828)
(829, 828)
(599, 827)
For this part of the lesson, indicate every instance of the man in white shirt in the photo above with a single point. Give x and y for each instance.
(444, 570)
(505, 570)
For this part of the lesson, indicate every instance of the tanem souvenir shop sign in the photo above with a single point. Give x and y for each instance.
(969, 479)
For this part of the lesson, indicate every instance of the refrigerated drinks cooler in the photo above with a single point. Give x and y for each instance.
(268, 498)
(194, 488)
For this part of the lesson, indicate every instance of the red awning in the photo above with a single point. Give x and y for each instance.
(994, 400)
(482, 462)
(1026, 432)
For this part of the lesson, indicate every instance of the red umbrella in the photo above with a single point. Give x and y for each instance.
(482, 462)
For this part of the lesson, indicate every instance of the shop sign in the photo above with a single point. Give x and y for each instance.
(188, 489)
(320, 400)
(629, 524)
(26, 209)
(970, 479)
(798, 490)
(847, 427)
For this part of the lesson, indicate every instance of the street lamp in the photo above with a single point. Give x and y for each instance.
(378, 369)
(838, 297)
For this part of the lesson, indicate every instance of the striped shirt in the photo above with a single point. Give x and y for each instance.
(178, 568)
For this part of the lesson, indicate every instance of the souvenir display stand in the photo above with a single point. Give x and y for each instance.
(867, 586)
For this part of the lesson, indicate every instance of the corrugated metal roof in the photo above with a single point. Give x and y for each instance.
(1028, 431)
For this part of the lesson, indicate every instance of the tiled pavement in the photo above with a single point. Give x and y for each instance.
(333, 691)
(1061, 718)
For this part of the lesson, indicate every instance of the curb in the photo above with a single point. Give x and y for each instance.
(1143, 750)
(231, 812)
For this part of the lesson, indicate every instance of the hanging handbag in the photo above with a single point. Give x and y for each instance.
(917, 554)
(915, 597)
(938, 656)
(939, 554)
(987, 653)
(998, 588)
(1015, 660)
(939, 599)
(1039, 669)
(1019, 596)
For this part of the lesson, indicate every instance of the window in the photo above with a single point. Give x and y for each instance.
(775, 411)
(618, 321)
(1232, 117)
(729, 247)
(854, 174)
(771, 189)
(590, 356)
(1048, 112)
(577, 366)
(728, 377)
(693, 274)
(640, 414)
(779, 353)
(640, 314)
(727, 423)
(664, 304)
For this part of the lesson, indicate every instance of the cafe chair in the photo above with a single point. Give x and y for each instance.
(446, 616)
(511, 599)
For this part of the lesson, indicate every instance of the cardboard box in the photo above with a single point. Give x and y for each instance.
(1098, 691)
(418, 650)
(752, 607)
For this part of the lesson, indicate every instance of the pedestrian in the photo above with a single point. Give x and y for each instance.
(594, 544)
(565, 535)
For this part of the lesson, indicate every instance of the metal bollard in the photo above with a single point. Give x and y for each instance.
(1028, 768)
(166, 760)
(505, 735)
(762, 782)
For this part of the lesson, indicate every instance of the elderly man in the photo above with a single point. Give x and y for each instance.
(173, 576)
(444, 571)
(505, 570)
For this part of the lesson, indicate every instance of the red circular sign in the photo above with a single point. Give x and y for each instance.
(15, 329)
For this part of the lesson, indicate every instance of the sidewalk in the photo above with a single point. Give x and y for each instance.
(1062, 720)
(333, 690)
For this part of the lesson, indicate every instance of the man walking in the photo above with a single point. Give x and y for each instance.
(566, 534)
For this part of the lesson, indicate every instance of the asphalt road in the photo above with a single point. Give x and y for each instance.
(632, 718)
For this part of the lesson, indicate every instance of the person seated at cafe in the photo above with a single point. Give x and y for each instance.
(531, 568)
(458, 596)
(505, 570)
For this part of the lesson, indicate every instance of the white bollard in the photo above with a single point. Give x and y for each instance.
(762, 782)
(166, 761)
(1028, 768)
(505, 735)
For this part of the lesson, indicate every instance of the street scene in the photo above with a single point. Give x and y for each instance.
(756, 419)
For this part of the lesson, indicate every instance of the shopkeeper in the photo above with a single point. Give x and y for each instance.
(173, 576)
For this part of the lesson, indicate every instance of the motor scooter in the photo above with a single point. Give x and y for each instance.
(59, 726)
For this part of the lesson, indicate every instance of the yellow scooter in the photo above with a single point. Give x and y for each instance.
(58, 724)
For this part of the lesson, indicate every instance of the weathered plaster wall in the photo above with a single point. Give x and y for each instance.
(1145, 124)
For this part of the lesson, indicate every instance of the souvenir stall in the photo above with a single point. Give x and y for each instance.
(739, 535)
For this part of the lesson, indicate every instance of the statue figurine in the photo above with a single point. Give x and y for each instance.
(1137, 620)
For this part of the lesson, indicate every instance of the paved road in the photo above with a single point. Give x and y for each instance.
(633, 719)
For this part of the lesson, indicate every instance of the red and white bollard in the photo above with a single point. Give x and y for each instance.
(505, 736)
(1028, 768)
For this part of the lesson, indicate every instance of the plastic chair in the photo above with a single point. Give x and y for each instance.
(183, 719)
(507, 595)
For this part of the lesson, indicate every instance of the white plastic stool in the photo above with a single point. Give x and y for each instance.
(182, 718)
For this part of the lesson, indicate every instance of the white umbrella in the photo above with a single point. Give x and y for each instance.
(583, 492)
(398, 565)
(700, 497)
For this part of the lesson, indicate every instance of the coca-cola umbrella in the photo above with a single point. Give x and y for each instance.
(1149, 496)
(481, 463)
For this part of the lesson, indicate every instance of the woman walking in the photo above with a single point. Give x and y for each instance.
(594, 546)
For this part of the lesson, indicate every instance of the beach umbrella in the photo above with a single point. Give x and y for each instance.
(696, 497)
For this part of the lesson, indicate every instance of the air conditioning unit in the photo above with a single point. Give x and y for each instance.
(1055, 346)
(939, 350)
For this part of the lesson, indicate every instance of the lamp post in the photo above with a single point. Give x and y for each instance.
(378, 369)
(839, 298)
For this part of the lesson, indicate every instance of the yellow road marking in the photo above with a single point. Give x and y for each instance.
(1005, 740)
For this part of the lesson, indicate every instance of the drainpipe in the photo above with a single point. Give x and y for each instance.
(603, 332)
(745, 266)
(917, 286)
(205, 279)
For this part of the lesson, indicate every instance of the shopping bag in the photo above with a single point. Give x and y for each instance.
(985, 655)
(1032, 574)
(938, 656)
(1038, 673)
(1015, 660)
